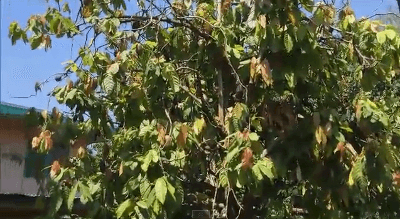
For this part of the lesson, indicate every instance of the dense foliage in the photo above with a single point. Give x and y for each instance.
(250, 109)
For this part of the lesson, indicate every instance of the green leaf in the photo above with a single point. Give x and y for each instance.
(391, 34)
(71, 94)
(142, 204)
(108, 84)
(288, 42)
(171, 188)
(161, 189)
(133, 183)
(113, 69)
(171, 76)
(66, 8)
(71, 197)
(231, 154)
(85, 193)
(267, 168)
(125, 208)
(35, 41)
(223, 179)
(145, 188)
(156, 207)
(257, 172)
(381, 36)
(151, 156)
(301, 32)
(253, 136)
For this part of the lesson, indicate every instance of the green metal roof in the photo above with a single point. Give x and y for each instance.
(12, 109)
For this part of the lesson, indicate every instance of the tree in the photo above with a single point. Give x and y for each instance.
(270, 109)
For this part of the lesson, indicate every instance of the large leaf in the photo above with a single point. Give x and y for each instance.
(161, 189)
(108, 84)
(114, 68)
(71, 197)
(288, 41)
(125, 208)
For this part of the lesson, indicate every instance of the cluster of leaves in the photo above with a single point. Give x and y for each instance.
(244, 109)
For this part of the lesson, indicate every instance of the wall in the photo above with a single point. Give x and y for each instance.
(13, 145)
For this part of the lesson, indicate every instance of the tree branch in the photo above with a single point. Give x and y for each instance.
(181, 22)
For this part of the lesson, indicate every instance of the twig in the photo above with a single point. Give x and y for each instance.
(214, 200)
(192, 95)
(170, 121)
(379, 14)
(220, 97)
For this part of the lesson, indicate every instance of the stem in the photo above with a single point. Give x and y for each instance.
(221, 98)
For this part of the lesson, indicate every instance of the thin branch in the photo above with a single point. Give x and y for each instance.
(180, 22)
(380, 14)
(220, 97)
(192, 95)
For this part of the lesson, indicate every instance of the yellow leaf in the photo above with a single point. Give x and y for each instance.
(121, 169)
(292, 18)
(81, 152)
(199, 125)
(320, 135)
(44, 114)
(358, 111)
(381, 37)
(351, 180)
(351, 18)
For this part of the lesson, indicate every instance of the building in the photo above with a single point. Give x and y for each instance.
(17, 190)
(19, 165)
(13, 148)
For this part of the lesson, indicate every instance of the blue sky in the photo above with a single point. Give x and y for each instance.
(21, 67)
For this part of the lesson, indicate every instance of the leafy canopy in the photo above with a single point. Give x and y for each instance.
(271, 108)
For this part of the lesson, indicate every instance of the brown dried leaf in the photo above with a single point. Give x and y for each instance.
(35, 142)
(42, 20)
(253, 69)
(48, 143)
(168, 140)
(81, 142)
(263, 21)
(247, 158)
(265, 71)
(341, 148)
(181, 139)
(55, 169)
(374, 27)
(161, 134)
(396, 178)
